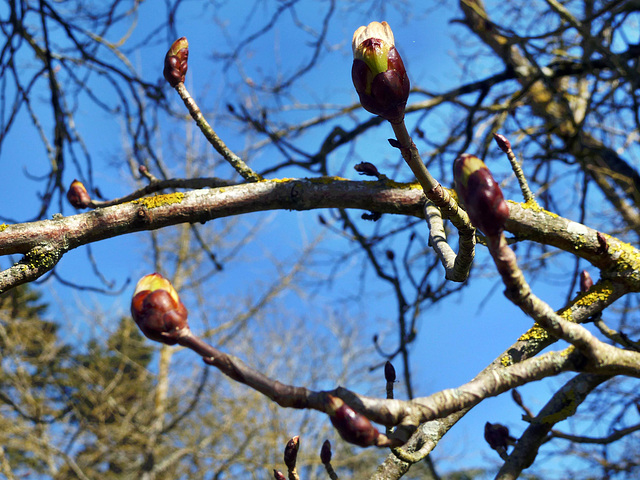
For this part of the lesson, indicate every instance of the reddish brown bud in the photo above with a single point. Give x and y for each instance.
(480, 194)
(497, 436)
(503, 143)
(278, 475)
(291, 452)
(366, 168)
(586, 281)
(389, 372)
(325, 452)
(175, 62)
(158, 311)
(352, 426)
(378, 72)
(77, 195)
(603, 245)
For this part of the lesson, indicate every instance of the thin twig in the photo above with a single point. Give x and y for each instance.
(236, 162)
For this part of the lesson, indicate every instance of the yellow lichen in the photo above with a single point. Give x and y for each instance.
(37, 258)
(278, 180)
(160, 200)
(627, 256)
(3, 227)
(534, 333)
(531, 204)
(506, 360)
(565, 412)
(326, 180)
(407, 186)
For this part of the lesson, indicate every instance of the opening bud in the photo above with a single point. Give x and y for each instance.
(77, 195)
(278, 475)
(481, 194)
(175, 62)
(352, 426)
(158, 311)
(291, 452)
(378, 72)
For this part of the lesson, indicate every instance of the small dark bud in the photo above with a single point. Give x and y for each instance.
(372, 216)
(503, 143)
(394, 143)
(516, 397)
(158, 311)
(291, 452)
(78, 196)
(603, 244)
(419, 132)
(175, 62)
(389, 372)
(480, 194)
(231, 108)
(497, 436)
(352, 426)
(325, 452)
(366, 168)
(322, 220)
(390, 255)
(586, 282)
(278, 475)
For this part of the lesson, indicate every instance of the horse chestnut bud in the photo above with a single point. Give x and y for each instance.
(352, 426)
(175, 62)
(481, 194)
(77, 195)
(378, 72)
(158, 311)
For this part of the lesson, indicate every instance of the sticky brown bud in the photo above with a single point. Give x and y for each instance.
(278, 475)
(389, 372)
(480, 194)
(325, 452)
(366, 168)
(158, 311)
(291, 452)
(503, 143)
(497, 436)
(378, 72)
(352, 426)
(77, 195)
(586, 281)
(175, 62)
